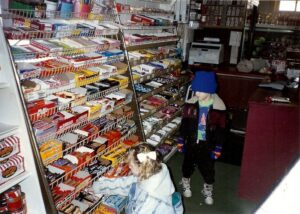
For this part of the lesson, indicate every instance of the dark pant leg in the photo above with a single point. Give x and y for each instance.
(205, 163)
(188, 161)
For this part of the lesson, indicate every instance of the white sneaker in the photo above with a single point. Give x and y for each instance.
(207, 193)
(186, 186)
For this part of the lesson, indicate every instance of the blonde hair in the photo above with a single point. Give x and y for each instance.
(147, 168)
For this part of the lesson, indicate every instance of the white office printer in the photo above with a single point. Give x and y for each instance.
(207, 51)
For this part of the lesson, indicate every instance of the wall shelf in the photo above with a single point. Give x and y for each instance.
(15, 180)
(157, 90)
(7, 130)
(152, 44)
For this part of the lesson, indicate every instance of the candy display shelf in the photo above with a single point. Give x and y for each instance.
(165, 13)
(53, 110)
(148, 32)
(151, 44)
(141, 27)
(76, 105)
(71, 68)
(160, 89)
(18, 34)
(148, 114)
(158, 57)
(43, 93)
(66, 51)
(78, 125)
(83, 165)
(78, 69)
(151, 76)
(158, 127)
(94, 136)
(68, 199)
(52, 14)
(7, 130)
(16, 180)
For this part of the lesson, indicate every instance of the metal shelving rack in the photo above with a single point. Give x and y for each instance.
(150, 44)
(35, 174)
(51, 206)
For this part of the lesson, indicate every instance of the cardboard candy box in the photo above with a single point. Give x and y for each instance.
(51, 151)
(9, 146)
(115, 203)
(11, 167)
(114, 154)
(80, 180)
(61, 192)
(40, 108)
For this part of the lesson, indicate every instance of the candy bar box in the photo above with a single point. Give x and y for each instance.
(9, 146)
(11, 167)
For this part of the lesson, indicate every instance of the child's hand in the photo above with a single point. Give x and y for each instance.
(90, 190)
(216, 153)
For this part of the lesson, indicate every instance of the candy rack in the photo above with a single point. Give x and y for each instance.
(83, 165)
(41, 57)
(57, 71)
(146, 26)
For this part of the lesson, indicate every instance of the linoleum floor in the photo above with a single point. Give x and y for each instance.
(226, 200)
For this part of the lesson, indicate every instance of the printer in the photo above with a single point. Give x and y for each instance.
(209, 51)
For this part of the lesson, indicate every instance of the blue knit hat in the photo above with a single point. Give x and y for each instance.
(204, 81)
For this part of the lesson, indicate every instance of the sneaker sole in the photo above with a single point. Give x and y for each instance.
(187, 195)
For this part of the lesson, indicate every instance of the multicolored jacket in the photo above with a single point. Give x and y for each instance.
(215, 124)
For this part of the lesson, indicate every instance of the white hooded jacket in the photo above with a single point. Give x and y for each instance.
(151, 196)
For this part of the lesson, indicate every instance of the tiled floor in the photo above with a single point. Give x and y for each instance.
(225, 194)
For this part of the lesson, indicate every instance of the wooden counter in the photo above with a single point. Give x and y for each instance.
(271, 143)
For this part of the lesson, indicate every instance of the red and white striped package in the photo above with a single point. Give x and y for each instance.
(11, 167)
(9, 146)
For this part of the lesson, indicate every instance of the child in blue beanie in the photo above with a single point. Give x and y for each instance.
(203, 129)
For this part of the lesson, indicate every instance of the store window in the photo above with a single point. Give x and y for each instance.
(290, 6)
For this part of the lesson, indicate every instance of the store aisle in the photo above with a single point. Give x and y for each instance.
(225, 196)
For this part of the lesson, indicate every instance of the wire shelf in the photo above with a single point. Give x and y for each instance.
(71, 67)
(32, 96)
(68, 199)
(155, 58)
(162, 88)
(149, 44)
(141, 27)
(156, 74)
(53, 14)
(164, 13)
(50, 111)
(83, 142)
(169, 102)
(65, 52)
(158, 127)
(46, 137)
(101, 132)
(23, 33)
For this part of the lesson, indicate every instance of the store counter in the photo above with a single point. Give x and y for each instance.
(272, 143)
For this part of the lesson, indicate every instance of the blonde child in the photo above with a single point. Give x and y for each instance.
(149, 188)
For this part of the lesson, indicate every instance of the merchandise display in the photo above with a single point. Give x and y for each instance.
(150, 37)
(92, 86)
